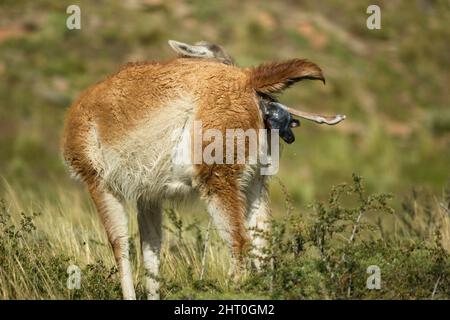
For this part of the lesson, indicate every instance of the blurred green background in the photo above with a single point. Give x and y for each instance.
(393, 83)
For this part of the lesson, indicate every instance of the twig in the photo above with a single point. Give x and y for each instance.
(349, 289)
(202, 272)
(352, 236)
(350, 240)
(354, 227)
(447, 210)
(435, 287)
(287, 197)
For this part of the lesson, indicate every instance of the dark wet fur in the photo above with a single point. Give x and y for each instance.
(276, 117)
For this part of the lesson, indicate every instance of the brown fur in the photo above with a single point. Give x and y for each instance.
(274, 77)
(108, 113)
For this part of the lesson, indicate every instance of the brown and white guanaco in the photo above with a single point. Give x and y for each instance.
(119, 140)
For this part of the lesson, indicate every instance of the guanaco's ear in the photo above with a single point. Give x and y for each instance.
(276, 76)
(198, 51)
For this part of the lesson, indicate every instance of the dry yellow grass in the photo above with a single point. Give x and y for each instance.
(71, 227)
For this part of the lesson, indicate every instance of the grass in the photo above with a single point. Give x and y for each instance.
(320, 254)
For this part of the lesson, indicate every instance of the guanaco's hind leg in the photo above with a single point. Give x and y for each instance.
(258, 217)
(227, 207)
(149, 220)
(115, 222)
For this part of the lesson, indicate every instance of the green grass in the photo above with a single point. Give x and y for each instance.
(322, 253)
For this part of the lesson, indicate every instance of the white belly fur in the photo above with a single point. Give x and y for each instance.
(142, 164)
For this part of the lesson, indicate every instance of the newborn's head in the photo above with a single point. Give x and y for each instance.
(277, 117)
